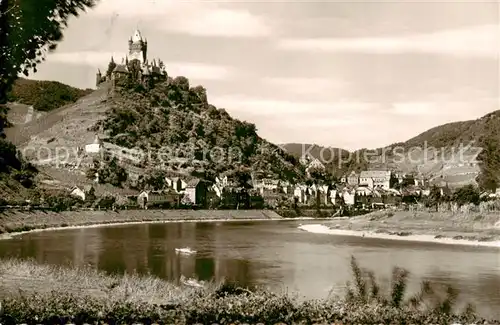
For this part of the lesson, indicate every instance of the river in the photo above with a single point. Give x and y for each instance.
(271, 254)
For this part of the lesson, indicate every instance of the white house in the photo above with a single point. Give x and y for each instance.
(300, 193)
(94, 147)
(376, 178)
(349, 197)
(78, 192)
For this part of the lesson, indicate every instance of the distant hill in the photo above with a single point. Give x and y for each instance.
(44, 95)
(447, 167)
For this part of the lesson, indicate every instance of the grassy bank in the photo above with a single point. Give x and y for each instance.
(19, 221)
(41, 294)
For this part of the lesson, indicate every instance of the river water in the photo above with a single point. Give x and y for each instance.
(272, 254)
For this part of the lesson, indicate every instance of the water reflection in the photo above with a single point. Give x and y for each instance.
(273, 254)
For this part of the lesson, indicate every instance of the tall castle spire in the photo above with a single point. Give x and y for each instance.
(137, 47)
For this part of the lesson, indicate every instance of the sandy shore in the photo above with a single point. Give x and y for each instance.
(444, 228)
(323, 229)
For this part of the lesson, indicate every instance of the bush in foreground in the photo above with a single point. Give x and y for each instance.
(132, 299)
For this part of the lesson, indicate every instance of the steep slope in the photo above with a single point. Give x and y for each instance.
(66, 126)
(182, 131)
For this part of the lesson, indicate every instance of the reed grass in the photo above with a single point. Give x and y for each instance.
(41, 294)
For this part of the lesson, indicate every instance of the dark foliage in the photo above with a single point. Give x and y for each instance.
(109, 172)
(44, 95)
(231, 304)
(174, 120)
(466, 194)
(28, 29)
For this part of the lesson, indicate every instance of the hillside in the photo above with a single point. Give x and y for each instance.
(172, 116)
(43, 95)
(444, 164)
(184, 133)
(64, 126)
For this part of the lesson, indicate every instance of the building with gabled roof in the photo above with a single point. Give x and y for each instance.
(196, 191)
(376, 178)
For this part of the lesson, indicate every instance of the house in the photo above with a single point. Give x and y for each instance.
(94, 147)
(78, 192)
(351, 179)
(349, 197)
(157, 198)
(178, 184)
(83, 193)
(315, 164)
(300, 192)
(267, 185)
(196, 192)
(376, 178)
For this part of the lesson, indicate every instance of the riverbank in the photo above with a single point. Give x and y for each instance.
(42, 294)
(438, 227)
(443, 228)
(17, 222)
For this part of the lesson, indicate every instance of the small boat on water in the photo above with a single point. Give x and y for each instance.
(185, 250)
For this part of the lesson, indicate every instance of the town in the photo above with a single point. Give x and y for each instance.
(353, 193)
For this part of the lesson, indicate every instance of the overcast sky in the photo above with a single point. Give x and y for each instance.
(351, 75)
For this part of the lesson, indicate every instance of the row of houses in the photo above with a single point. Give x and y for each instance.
(384, 179)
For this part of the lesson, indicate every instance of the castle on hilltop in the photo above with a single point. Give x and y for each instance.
(135, 65)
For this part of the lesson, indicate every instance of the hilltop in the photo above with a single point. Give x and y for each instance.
(42, 95)
(447, 166)
(186, 134)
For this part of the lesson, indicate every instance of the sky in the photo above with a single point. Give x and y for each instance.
(358, 74)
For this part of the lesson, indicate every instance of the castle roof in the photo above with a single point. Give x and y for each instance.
(121, 68)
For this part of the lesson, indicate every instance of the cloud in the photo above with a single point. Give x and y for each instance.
(191, 70)
(220, 22)
(308, 86)
(415, 109)
(478, 41)
(198, 18)
(271, 107)
(443, 111)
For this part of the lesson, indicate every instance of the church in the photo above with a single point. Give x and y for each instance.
(135, 65)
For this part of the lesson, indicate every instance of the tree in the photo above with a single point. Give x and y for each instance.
(111, 67)
(28, 29)
(434, 197)
(467, 194)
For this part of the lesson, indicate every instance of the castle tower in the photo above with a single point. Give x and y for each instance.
(137, 47)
